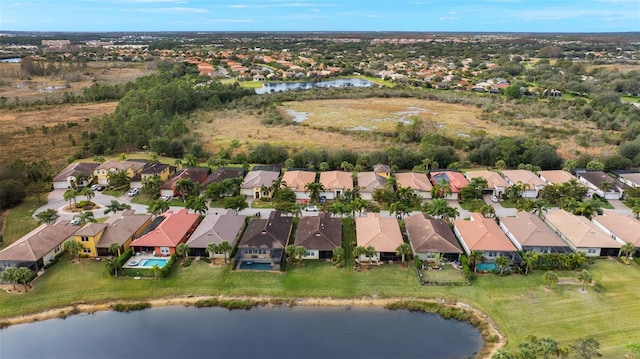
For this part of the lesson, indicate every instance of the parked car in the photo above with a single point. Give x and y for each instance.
(165, 198)
(311, 208)
(94, 187)
(101, 188)
(494, 199)
(134, 192)
(74, 222)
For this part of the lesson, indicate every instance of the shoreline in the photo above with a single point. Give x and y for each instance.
(489, 347)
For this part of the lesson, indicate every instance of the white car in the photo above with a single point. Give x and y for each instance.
(494, 199)
(165, 198)
(134, 192)
(311, 209)
(95, 187)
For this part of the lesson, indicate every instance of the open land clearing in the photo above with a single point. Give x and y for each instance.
(520, 305)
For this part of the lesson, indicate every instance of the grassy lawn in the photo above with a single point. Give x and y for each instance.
(20, 221)
(520, 305)
(262, 204)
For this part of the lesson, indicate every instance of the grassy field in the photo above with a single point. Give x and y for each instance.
(520, 305)
(21, 220)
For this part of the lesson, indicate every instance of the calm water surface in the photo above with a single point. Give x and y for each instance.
(290, 86)
(299, 332)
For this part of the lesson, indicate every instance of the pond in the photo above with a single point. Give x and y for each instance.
(298, 332)
(291, 86)
(12, 60)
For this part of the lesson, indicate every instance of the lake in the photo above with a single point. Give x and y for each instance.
(291, 86)
(280, 332)
(13, 59)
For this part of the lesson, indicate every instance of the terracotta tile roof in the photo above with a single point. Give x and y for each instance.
(272, 232)
(259, 178)
(332, 180)
(381, 233)
(319, 232)
(627, 228)
(483, 234)
(217, 228)
(35, 244)
(429, 235)
(297, 180)
(414, 180)
(524, 176)
(579, 230)
(455, 179)
(195, 174)
(369, 181)
(531, 231)
(557, 176)
(170, 232)
(493, 178)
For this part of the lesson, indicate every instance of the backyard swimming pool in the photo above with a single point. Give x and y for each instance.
(148, 262)
(486, 267)
(253, 265)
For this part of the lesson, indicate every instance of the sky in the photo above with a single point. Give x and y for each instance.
(321, 15)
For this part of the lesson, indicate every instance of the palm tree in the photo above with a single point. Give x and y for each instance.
(182, 250)
(190, 160)
(184, 186)
(225, 248)
(49, 216)
(237, 203)
(403, 250)
(114, 248)
(156, 271)
(549, 277)
(569, 204)
(88, 193)
(357, 252)
(502, 262)
(9, 275)
(84, 218)
(212, 248)
(198, 204)
(539, 208)
(487, 211)
(605, 186)
(585, 277)
(627, 249)
(157, 207)
(338, 208)
(635, 208)
(73, 248)
(475, 257)
(115, 207)
(112, 266)
(441, 189)
(70, 195)
(314, 189)
(588, 209)
(529, 258)
(338, 257)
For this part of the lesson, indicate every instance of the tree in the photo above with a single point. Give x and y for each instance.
(23, 275)
(190, 160)
(588, 209)
(357, 252)
(73, 248)
(295, 254)
(539, 208)
(586, 348)
(487, 211)
(403, 250)
(182, 250)
(314, 189)
(157, 207)
(70, 195)
(529, 258)
(635, 208)
(198, 204)
(237, 203)
(156, 271)
(338, 257)
(628, 249)
(606, 186)
(151, 185)
(49, 216)
(84, 218)
(184, 187)
(212, 248)
(118, 180)
(475, 257)
(441, 189)
(549, 277)
(225, 248)
(112, 265)
(9, 275)
(585, 277)
(88, 193)
(115, 207)
(502, 262)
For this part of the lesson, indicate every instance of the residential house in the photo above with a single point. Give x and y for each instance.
(624, 229)
(264, 241)
(496, 185)
(369, 182)
(151, 170)
(581, 234)
(102, 171)
(175, 228)
(320, 235)
(528, 232)
(335, 183)
(484, 235)
(383, 234)
(297, 182)
(456, 181)
(67, 177)
(595, 180)
(195, 174)
(221, 174)
(532, 183)
(418, 183)
(215, 229)
(121, 228)
(37, 248)
(383, 171)
(630, 179)
(430, 237)
(556, 176)
(257, 184)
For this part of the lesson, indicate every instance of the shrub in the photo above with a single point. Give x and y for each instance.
(187, 262)
(164, 272)
(124, 257)
(128, 307)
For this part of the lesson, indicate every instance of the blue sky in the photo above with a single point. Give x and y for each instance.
(321, 15)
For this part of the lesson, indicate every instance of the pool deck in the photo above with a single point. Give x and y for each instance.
(139, 259)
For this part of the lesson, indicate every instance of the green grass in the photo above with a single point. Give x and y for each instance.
(262, 204)
(519, 305)
(376, 80)
(20, 220)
